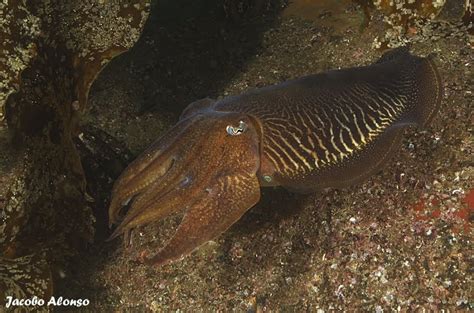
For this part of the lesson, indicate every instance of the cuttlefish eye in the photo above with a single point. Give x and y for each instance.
(234, 131)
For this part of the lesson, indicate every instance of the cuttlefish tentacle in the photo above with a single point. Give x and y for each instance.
(332, 129)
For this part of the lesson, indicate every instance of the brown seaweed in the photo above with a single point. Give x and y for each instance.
(51, 53)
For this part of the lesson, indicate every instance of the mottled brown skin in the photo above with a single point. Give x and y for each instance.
(332, 129)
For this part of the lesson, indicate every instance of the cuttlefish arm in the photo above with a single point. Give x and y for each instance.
(154, 162)
(144, 170)
(220, 206)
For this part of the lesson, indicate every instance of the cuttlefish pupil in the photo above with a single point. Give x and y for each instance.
(234, 131)
(328, 130)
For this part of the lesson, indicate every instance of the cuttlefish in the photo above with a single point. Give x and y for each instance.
(327, 130)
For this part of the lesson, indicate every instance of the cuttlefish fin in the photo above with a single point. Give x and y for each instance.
(227, 200)
(196, 107)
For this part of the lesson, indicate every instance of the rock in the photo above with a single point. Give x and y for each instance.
(51, 53)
